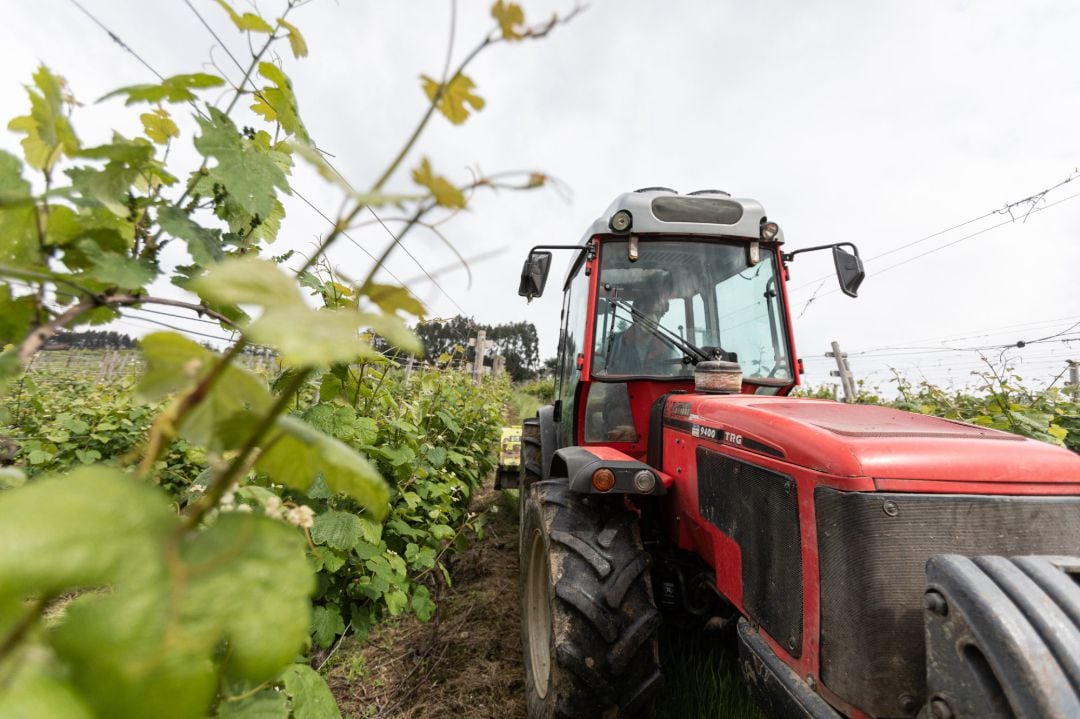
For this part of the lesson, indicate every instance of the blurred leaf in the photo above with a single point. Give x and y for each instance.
(16, 315)
(393, 298)
(42, 697)
(509, 16)
(174, 362)
(299, 453)
(118, 270)
(248, 280)
(277, 103)
(204, 244)
(266, 704)
(442, 190)
(158, 126)
(455, 96)
(296, 40)
(48, 131)
(177, 88)
(92, 527)
(246, 22)
(311, 697)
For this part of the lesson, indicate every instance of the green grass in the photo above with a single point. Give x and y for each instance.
(701, 678)
(521, 406)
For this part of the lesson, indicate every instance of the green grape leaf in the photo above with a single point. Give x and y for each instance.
(326, 624)
(509, 16)
(311, 697)
(246, 169)
(455, 96)
(114, 269)
(266, 704)
(422, 605)
(177, 88)
(396, 601)
(42, 697)
(203, 244)
(48, 131)
(277, 102)
(159, 126)
(296, 41)
(442, 190)
(246, 22)
(340, 530)
(298, 453)
(92, 527)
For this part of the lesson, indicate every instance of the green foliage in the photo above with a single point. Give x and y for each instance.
(1000, 401)
(178, 560)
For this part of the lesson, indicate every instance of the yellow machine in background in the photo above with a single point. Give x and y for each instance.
(506, 477)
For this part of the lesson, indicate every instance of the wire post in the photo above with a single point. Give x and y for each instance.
(478, 357)
(843, 371)
(1074, 379)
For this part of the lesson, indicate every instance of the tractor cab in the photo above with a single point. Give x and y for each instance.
(660, 283)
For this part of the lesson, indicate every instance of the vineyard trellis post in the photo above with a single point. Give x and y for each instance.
(1074, 379)
(843, 371)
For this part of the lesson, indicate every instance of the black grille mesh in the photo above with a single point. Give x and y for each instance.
(873, 549)
(759, 510)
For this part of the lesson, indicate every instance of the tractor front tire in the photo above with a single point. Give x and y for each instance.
(587, 615)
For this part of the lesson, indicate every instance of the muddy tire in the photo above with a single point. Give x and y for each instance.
(588, 619)
(531, 453)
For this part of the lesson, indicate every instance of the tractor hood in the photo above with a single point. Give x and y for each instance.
(876, 442)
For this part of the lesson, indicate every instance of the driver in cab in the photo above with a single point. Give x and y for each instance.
(638, 350)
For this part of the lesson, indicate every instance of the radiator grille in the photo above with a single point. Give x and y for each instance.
(873, 549)
(759, 510)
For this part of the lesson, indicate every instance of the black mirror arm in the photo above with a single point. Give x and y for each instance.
(789, 256)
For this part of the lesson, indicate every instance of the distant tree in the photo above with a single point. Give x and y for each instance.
(517, 342)
(550, 366)
(91, 340)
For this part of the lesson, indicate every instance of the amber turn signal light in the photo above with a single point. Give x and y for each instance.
(603, 480)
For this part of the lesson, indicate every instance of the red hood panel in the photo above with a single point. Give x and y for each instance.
(885, 443)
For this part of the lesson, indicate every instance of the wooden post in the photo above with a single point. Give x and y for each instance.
(478, 357)
(843, 371)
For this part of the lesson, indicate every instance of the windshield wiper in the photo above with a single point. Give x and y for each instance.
(688, 348)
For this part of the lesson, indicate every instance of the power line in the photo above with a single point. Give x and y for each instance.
(1037, 197)
(946, 245)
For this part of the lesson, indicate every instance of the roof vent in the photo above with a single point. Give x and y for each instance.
(711, 192)
(657, 189)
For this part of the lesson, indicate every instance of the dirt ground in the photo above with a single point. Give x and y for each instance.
(466, 661)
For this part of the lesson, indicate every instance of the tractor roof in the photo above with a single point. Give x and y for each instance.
(705, 212)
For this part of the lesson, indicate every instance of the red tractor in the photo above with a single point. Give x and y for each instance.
(874, 563)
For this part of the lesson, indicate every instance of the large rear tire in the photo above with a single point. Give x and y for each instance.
(588, 619)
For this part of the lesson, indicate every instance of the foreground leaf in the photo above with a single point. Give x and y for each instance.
(300, 453)
(455, 96)
(177, 88)
(442, 190)
(92, 527)
(48, 131)
(311, 697)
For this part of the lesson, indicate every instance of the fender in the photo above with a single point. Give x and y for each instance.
(549, 438)
(579, 463)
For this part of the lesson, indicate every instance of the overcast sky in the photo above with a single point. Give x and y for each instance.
(875, 122)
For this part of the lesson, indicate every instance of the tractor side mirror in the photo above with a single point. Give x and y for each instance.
(534, 274)
(849, 270)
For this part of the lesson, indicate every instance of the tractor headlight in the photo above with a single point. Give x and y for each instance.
(621, 221)
(644, 481)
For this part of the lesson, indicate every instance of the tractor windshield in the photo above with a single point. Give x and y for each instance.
(682, 301)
